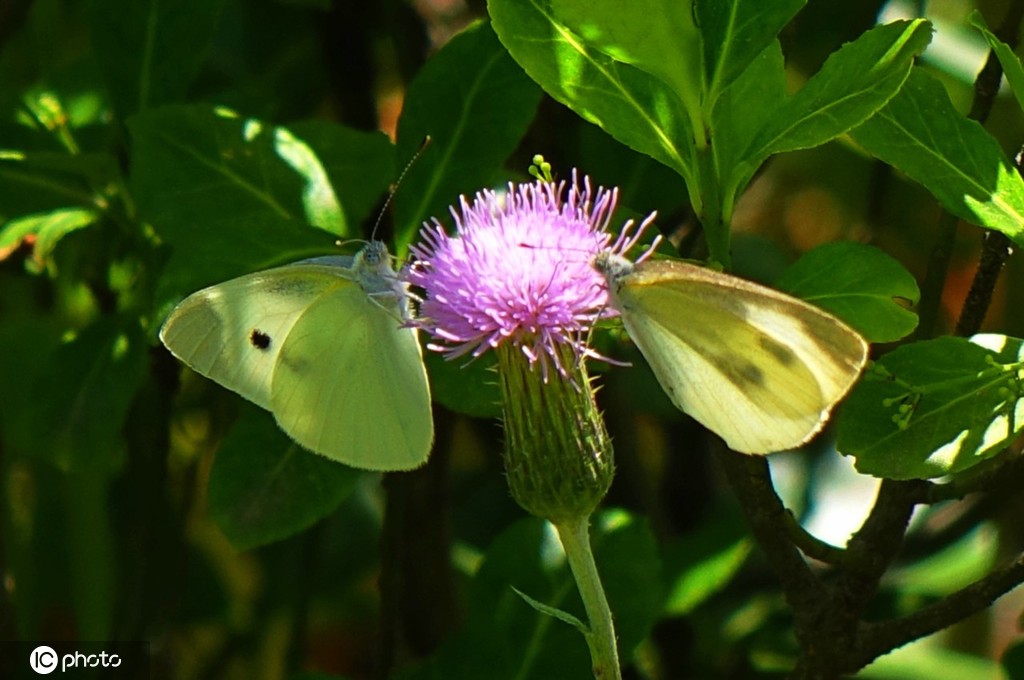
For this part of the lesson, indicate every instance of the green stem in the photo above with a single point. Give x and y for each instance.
(604, 654)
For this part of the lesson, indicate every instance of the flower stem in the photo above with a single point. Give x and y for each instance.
(604, 654)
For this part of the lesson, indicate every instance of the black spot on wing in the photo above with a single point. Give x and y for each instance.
(259, 339)
(777, 350)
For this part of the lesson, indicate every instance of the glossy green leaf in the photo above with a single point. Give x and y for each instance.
(150, 51)
(264, 487)
(200, 165)
(853, 84)
(860, 284)
(935, 407)
(656, 36)
(761, 88)
(470, 81)
(634, 107)
(1013, 69)
(733, 33)
(921, 134)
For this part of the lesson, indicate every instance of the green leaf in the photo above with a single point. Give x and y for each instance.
(357, 166)
(475, 103)
(200, 165)
(636, 108)
(860, 284)
(854, 83)
(936, 407)
(733, 33)
(656, 36)
(207, 252)
(49, 228)
(150, 51)
(761, 88)
(39, 181)
(704, 560)
(264, 487)
(554, 612)
(921, 134)
(79, 403)
(1012, 67)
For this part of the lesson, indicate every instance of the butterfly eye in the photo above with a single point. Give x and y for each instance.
(259, 339)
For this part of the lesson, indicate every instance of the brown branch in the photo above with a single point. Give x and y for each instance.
(752, 484)
(880, 638)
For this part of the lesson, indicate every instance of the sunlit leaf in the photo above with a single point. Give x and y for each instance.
(936, 407)
(634, 107)
(920, 133)
(860, 284)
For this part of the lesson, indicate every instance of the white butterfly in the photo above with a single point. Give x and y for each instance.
(758, 367)
(321, 345)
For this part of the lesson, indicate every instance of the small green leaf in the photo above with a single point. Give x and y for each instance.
(860, 284)
(854, 83)
(1012, 67)
(935, 407)
(475, 102)
(733, 33)
(264, 487)
(921, 134)
(554, 612)
(149, 52)
(636, 108)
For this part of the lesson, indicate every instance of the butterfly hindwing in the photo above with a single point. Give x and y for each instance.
(351, 379)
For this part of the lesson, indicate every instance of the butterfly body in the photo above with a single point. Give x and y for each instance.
(321, 344)
(758, 367)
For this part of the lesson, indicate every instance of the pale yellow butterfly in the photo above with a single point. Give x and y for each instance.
(758, 367)
(323, 346)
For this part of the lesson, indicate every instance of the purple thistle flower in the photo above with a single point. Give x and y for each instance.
(518, 270)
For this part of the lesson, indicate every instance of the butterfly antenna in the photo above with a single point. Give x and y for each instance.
(394, 187)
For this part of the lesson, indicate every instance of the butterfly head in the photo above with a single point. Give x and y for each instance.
(613, 267)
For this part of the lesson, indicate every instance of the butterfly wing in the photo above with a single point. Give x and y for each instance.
(758, 367)
(233, 332)
(350, 382)
(331, 361)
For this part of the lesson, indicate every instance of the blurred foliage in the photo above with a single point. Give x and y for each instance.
(150, 149)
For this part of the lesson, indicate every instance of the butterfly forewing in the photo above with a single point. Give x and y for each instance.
(233, 332)
(760, 368)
